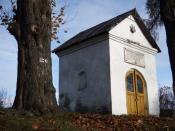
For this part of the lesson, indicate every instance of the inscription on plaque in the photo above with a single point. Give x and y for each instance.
(135, 58)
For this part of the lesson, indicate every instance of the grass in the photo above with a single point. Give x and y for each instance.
(11, 120)
(18, 122)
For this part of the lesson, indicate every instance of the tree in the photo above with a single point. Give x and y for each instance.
(166, 98)
(162, 12)
(33, 24)
(3, 95)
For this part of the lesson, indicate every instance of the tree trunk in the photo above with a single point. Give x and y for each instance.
(170, 31)
(35, 91)
(167, 10)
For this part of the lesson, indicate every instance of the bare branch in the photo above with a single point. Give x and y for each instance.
(3, 95)
(11, 22)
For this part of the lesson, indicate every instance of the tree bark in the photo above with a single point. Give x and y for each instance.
(35, 91)
(167, 8)
(170, 31)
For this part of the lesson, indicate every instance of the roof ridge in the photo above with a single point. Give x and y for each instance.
(104, 27)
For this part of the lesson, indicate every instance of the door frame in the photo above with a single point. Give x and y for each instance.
(134, 71)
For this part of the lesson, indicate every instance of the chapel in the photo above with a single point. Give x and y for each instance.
(110, 68)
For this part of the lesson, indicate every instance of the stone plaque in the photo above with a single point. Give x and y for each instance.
(135, 58)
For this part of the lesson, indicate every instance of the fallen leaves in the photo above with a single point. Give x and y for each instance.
(35, 126)
(109, 123)
(82, 122)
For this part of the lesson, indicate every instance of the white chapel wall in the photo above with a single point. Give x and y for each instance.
(90, 65)
(119, 68)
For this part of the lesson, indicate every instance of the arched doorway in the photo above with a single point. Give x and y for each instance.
(137, 102)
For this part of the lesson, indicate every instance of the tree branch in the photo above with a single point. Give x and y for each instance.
(14, 29)
(152, 23)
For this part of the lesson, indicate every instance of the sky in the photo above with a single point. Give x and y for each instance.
(80, 15)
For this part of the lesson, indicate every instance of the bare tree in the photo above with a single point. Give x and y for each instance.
(3, 95)
(166, 98)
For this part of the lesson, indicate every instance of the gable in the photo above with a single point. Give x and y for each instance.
(106, 27)
(122, 30)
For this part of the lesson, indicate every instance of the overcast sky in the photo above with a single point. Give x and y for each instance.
(80, 15)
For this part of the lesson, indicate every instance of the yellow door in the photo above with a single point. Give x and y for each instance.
(136, 93)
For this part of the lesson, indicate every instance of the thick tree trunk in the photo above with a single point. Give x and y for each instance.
(167, 10)
(35, 91)
(170, 31)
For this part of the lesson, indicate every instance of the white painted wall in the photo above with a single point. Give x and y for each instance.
(103, 62)
(123, 30)
(118, 68)
(94, 60)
